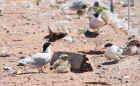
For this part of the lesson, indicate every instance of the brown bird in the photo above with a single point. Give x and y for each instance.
(91, 11)
(82, 10)
(105, 16)
(62, 65)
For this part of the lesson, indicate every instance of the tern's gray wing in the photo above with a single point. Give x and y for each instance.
(119, 52)
(130, 50)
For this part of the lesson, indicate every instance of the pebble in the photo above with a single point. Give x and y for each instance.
(39, 84)
(20, 52)
(126, 76)
(101, 76)
(92, 50)
(27, 23)
(92, 57)
(104, 68)
(72, 78)
(33, 32)
(3, 82)
(27, 33)
(101, 55)
(115, 77)
(5, 55)
(84, 41)
(7, 68)
(33, 23)
(119, 79)
(35, 47)
(136, 23)
(99, 65)
(125, 81)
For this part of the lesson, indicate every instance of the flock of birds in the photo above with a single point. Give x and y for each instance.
(112, 52)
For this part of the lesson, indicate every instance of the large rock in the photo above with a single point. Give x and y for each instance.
(57, 32)
(78, 61)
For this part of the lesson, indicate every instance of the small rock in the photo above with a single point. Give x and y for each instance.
(126, 76)
(7, 68)
(92, 50)
(101, 76)
(5, 54)
(92, 57)
(101, 55)
(20, 52)
(84, 41)
(3, 82)
(22, 57)
(72, 78)
(27, 33)
(119, 79)
(35, 47)
(125, 81)
(115, 77)
(17, 72)
(34, 24)
(104, 68)
(39, 84)
(27, 23)
(99, 65)
(33, 32)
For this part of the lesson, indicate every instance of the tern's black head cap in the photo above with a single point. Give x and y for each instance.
(46, 45)
(108, 45)
(96, 15)
(96, 3)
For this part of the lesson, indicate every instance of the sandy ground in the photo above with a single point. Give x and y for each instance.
(24, 26)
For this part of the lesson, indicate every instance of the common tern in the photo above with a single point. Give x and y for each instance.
(37, 60)
(113, 51)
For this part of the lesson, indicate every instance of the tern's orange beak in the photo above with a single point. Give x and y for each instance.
(96, 19)
(137, 42)
(103, 48)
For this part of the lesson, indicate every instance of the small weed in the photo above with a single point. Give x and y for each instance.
(37, 1)
(114, 7)
(99, 9)
(121, 17)
(82, 31)
(52, 7)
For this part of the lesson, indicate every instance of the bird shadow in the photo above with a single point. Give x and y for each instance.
(49, 38)
(91, 34)
(110, 63)
(78, 71)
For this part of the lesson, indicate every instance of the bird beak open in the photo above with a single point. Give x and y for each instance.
(103, 48)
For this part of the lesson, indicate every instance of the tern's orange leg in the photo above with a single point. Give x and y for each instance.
(106, 22)
(42, 70)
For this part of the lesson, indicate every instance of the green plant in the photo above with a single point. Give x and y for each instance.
(99, 9)
(37, 1)
(52, 7)
(114, 7)
(121, 17)
(82, 31)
